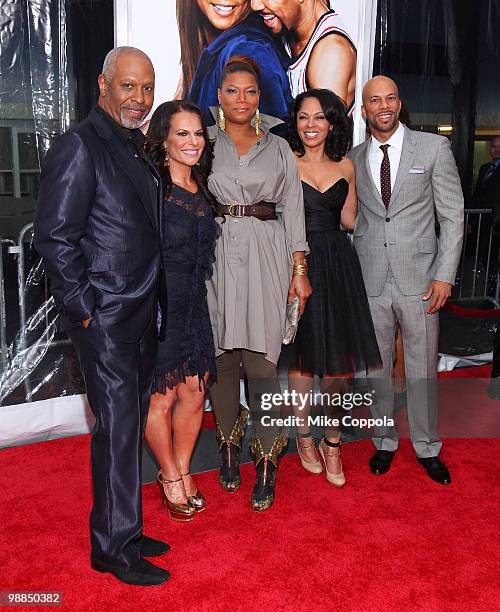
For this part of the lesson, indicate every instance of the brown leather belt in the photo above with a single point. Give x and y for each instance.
(264, 211)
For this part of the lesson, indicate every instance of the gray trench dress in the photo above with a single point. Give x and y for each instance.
(248, 291)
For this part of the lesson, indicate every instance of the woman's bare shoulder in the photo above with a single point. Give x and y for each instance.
(348, 167)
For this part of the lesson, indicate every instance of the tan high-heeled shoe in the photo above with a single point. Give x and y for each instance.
(311, 466)
(177, 512)
(197, 500)
(337, 480)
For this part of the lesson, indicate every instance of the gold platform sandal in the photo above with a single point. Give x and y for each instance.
(197, 500)
(177, 512)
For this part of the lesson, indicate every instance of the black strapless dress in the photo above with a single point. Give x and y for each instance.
(189, 233)
(335, 334)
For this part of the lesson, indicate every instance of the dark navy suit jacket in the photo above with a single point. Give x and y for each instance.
(250, 38)
(487, 191)
(96, 231)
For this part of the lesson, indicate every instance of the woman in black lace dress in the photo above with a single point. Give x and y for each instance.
(335, 337)
(178, 145)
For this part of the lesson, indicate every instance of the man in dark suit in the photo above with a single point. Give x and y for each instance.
(97, 232)
(488, 178)
(487, 195)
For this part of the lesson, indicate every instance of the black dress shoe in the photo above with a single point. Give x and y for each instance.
(380, 461)
(149, 547)
(141, 573)
(436, 469)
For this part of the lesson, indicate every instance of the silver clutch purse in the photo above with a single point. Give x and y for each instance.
(292, 320)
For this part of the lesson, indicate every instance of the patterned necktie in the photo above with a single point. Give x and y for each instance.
(385, 176)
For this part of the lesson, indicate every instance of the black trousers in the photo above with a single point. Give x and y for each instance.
(118, 377)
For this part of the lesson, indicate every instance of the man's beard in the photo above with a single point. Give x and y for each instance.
(130, 124)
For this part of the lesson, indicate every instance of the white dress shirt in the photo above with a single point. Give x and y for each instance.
(375, 155)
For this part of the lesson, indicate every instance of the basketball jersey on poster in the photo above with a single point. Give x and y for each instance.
(330, 23)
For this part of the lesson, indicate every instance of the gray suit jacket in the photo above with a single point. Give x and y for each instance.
(404, 235)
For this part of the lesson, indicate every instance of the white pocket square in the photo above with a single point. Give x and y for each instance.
(417, 170)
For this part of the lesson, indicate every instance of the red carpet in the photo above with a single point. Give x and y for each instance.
(208, 421)
(481, 371)
(395, 542)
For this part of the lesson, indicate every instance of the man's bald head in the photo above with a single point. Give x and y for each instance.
(378, 84)
(111, 59)
(381, 107)
(126, 86)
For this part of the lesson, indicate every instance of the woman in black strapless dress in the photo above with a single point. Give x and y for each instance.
(177, 143)
(335, 337)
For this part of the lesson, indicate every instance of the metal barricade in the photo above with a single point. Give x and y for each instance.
(21, 272)
(477, 275)
(13, 249)
(39, 354)
(21, 285)
(3, 306)
(18, 250)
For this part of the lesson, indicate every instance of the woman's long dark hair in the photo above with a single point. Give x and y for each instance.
(192, 39)
(159, 127)
(339, 138)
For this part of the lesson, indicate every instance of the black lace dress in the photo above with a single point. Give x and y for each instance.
(189, 234)
(335, 334)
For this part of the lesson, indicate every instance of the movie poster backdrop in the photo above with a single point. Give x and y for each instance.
(190, 41)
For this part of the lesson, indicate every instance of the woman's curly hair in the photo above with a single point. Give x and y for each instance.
(339, 138)
(158, 130)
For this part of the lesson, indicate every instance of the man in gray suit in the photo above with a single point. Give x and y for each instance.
(406, 180)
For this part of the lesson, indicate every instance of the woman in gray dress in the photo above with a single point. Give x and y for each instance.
(260, 265)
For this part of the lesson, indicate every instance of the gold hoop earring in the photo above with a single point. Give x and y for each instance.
(258, 122)
(222, 119)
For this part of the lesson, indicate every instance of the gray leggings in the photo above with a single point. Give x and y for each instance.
(262, 377)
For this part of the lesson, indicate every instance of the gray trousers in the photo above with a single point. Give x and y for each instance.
(420, 332)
